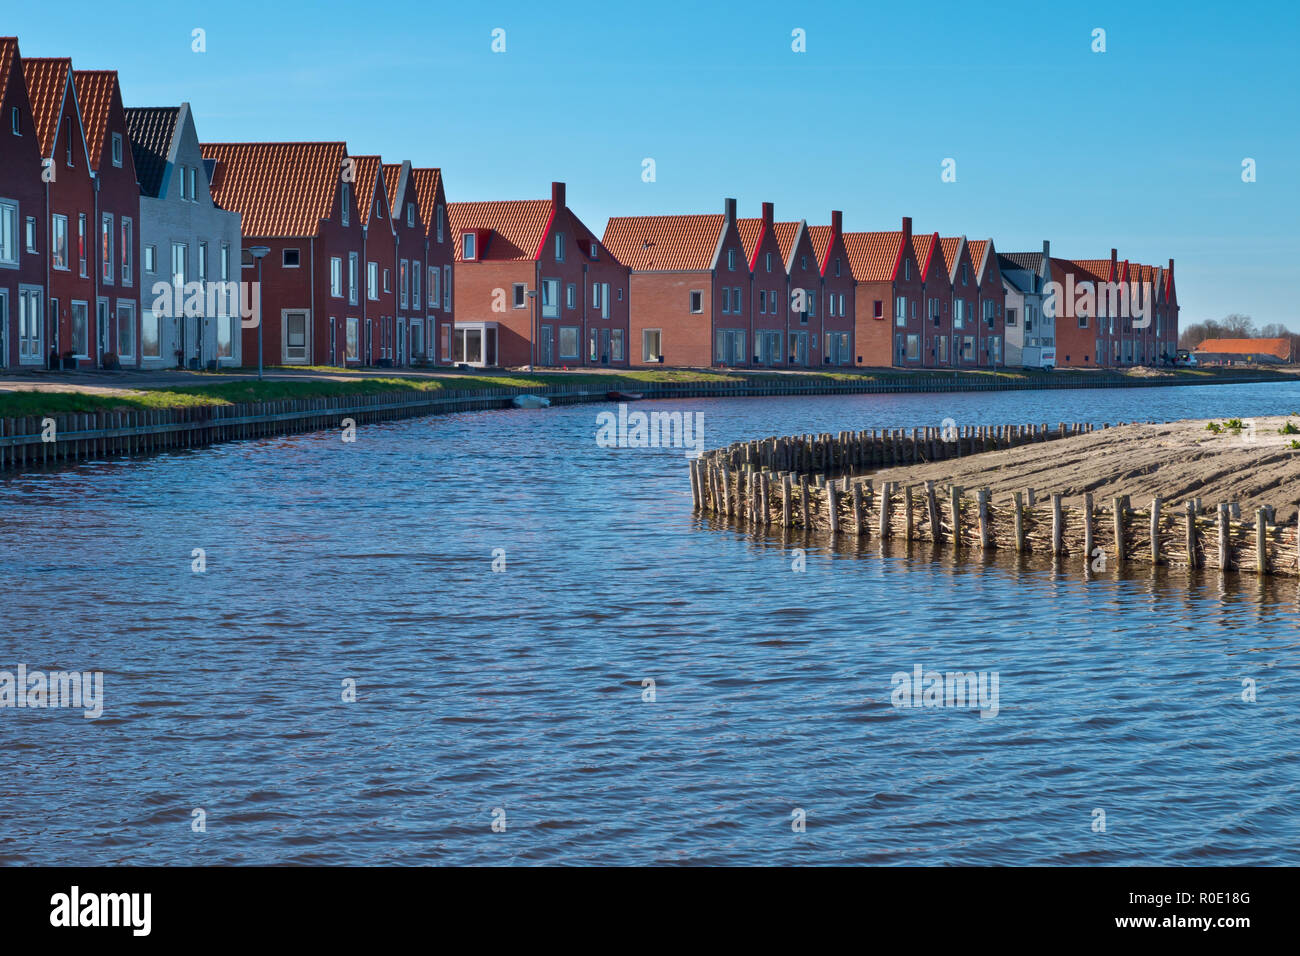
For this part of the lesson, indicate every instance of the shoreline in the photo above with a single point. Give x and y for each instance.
(56, 426)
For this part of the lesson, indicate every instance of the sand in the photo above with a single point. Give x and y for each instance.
(1176, 461)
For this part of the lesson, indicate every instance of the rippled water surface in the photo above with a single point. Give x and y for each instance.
(522, 690)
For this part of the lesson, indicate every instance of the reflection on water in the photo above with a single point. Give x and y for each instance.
(524, 689)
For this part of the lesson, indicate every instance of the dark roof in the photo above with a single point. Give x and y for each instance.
(152, 129)
(1029, 261)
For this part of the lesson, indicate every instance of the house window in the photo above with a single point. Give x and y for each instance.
(1011, 318)
(446, 288)
(68, 137)
(519, 289)
(415, 286)
(372, 280)
(30, 326)
(726, 301)
(194, 181)
(202, 274)
(652, 345)
(878, 309)
(8, 232)
(600, 298)
(907, 268)
(106, 249)
(803, 262)
(595, 250)
(569, 341)
(150, 334)
(345, 204)
(762, 301)
(735, 302)
(404, 282)
(812, 302)
(225, 337)
(571, 296)
(731, 259)
(80, 329)
(128, 243)
(410, 214)
(29, 233)
(433, 287)
(388, 280)
(125, 329)
(616, 345)
(768, 260)
(59, 242)
(958, 313)
(225, 261)
(180, 263)
(468, 245)
(697, 301)
(837, 266)
(353, 341)
(82, 238)
(439, 218)
(963, 273)
(379, 211)
(291, 258)
(913, 347)
(245, 259)
(900, 310)
(117, 149)
(336, 277)
(559, 253)
(354, 277)
(16, 121)
(551, 299)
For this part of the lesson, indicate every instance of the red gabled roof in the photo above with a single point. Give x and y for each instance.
(8, 53)
(95, 97)
(950, 245)
(392, 179)
(751, 237)
(1098, 267)
(922, 248)
(367, 183)
(820, 237)
(874, 256)
(1080, 271)
(280, 189)
(786, 233)
(1279, 348)
(425, 180)
(47, 81)
(978, 250)
(658, 243)
(518, 226)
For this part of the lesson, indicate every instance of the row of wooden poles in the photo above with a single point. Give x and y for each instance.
(727, 483)
(33, 441)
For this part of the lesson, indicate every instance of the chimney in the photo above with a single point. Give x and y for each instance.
(768, 214)
(837, 222)
(729, 210)
(1047, 249)
(557, 195)
(1114, 269)
(907, 229)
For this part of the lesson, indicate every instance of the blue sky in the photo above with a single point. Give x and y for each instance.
(1139, 147)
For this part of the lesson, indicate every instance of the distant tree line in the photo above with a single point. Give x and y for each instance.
(1235, 326)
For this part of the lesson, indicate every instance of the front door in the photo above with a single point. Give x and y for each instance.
(401, 342)
(296, 332)
(548, 345)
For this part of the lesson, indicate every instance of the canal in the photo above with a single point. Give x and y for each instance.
(554, 661)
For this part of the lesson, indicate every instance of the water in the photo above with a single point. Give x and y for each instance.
(521, 690)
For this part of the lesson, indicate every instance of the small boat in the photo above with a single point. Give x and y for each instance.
(530, 401)
(624, 396)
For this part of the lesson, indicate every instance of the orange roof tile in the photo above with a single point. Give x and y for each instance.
(367, 181)
(660, 243)
(949, 245)
(95, 90)
(1098, 267)
(978, 249)
(47, 81)
(280, 189)
(1279, 348)
(751, 234)
(921, 250)
(8, 53)
(1080, 272)
(392, 179)
(786, 233)
(518, 226)
(425, 181)
(873, 256)
(820, 237)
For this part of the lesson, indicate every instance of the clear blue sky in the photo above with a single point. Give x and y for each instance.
(1139, 147)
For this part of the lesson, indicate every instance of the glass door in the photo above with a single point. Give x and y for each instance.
(295, 338)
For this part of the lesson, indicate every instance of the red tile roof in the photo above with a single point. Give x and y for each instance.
(751, 235)
(659, 243)
(280, 189)
(820, 237)
(8, 53)
(921, 250)
(978, 249)
(518, 226)
(95, 97)
(786, 233)
(392, 179)
(948, 245)
(425, 181)
(47, 80)
(1098, 267)
(873, 256)
(1279, 348)
(1080, 272)
(367, 180)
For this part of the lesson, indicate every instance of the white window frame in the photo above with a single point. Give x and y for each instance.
(59, 241)
(469, 246)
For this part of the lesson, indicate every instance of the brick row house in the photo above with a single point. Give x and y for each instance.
(936, 301)
(23, 231)
(535, 286)
(839, 291)
(889, 323)
(440, 259)
(189, 248)
(410, 253)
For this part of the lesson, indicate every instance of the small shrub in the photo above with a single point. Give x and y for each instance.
(1288, 429)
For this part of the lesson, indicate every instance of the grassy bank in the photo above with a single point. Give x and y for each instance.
(34, 403)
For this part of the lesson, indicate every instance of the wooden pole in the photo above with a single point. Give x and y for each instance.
(1155, 530)
(1087, 529)
(982, 500)
(954, 502)
(932, 509)
(1261, 555)
(857, 509)
(907, 497)
(1191, 533)
(1117, 514)
(886, 494)
(1019, 524)
(832, 506)
(1223, 536)
(1056, 524)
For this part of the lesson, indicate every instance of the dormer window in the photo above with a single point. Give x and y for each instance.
(468, 242)
(559, 247)
(117, 149)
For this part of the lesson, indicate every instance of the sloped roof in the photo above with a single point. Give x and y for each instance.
(1029, 261)
(978, 249)
(392, 179)
(280, 189)
(657, 243)
(367, 182)
(820, 237)
(425, 180)
(95, 97)
(152, 129)
(873, 255)
(1077, 269)
(921, 250)
(1279, 348)
(46, 79)
(949, 246)
(8, 53)
(751, 234)
(786, 234)
(1098, 267)
(518, 226)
